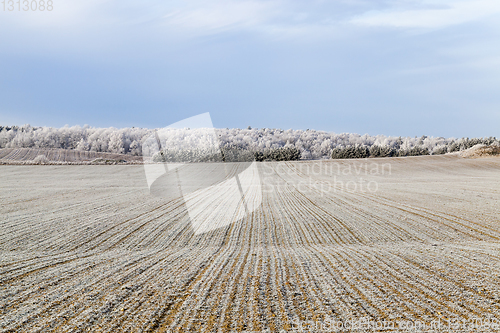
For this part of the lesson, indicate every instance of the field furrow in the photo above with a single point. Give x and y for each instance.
(88, 248)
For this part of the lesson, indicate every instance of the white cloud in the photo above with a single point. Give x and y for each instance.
(316, 20)
(450, 13)
(221, 15)
(195, 17)
(283, 18)
(63, 14)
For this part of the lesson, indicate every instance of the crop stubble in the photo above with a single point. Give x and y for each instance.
(86, 248)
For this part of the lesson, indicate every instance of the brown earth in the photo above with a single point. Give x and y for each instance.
(89, 249)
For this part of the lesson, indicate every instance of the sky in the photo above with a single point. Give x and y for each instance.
(403, 68)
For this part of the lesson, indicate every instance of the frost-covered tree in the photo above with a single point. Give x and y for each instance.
(233, 144)
(116, 142)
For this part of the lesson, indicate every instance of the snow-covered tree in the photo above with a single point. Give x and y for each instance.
(232, 142)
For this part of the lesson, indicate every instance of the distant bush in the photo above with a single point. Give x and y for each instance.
(410, 147)
(351, 152)
(440, 150)
(377, 151)
(382, 151)
(188, 156)
(278, 154)
(231, 152)
(415, 151)
(107, 161)
(41, 159)
(236, 155)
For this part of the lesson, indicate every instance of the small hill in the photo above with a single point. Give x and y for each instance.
(62, 156)
(481, 151)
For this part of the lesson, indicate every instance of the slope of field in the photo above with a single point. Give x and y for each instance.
(89, 249)
(27, 155)
(480, 151)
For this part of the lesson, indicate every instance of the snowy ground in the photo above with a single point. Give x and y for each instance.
(406, 240)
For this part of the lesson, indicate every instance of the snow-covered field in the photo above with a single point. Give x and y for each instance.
(407, 240)
(62, 156)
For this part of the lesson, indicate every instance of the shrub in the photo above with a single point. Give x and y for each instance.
(188, 156)
(415, 151)
(359, 151)
(440, 150)
(278, 154)
(106, 161)
(237, 155)
(382, 151)
(351, 152)
(41, 159)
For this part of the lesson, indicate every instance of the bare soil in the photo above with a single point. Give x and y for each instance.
(87, 248)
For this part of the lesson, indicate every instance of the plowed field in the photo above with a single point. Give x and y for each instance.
(87, 248)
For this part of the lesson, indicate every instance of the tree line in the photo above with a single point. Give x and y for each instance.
(234, 144)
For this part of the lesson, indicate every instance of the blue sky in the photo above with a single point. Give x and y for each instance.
(379, 67)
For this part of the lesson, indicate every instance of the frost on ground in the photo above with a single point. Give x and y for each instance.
(27, 156)
(87, 248)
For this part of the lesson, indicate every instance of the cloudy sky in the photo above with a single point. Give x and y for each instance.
(405, 68)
